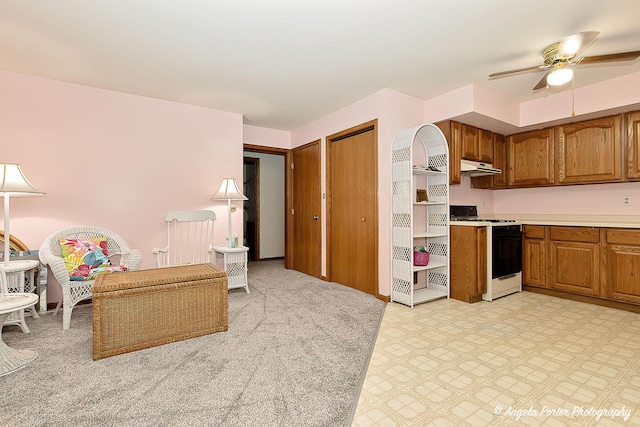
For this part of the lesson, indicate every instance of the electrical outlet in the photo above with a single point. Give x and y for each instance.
(626, 200)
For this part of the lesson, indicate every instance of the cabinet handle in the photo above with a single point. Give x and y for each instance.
(315, 217)
(363, 219)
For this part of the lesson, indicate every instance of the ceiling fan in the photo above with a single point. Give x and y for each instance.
(560, 57)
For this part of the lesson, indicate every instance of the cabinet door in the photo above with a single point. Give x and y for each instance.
(470, 143)
(468, 262)
(575, 267)
(452, 132)
(531, 158)
(622, 262)
(590, 151)
(534, 262)
(485, 143)
(500, 160)
(633, 145)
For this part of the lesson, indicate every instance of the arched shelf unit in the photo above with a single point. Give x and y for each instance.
(420, 161)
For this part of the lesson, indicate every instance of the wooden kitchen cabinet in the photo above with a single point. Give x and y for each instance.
(531, 158)
(499, 162)
(590, 151)
(453, 133)
(534, 260)
(470, 143)
(574, 260)
(633, 145)
(622, 264)
(485, 146)
(468, 262)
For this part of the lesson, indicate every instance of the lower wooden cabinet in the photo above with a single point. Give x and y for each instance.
(534, 264)
(622, 260)
(468, 262)
(600, 263)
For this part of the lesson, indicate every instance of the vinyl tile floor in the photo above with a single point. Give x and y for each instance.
(522, 360)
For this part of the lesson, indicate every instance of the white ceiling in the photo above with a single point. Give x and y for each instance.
(285, 63)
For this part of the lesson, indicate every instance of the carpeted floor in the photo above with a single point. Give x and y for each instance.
(295, 354)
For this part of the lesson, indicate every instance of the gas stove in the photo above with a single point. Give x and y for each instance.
(470, 213)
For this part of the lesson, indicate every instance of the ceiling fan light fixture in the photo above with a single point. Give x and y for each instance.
(559, 76)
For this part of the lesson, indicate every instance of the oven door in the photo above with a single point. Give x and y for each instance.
(507, 250)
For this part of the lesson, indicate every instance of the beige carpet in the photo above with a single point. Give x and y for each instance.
(295, 354)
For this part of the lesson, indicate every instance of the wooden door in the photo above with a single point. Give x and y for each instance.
(589, 151)
(352, 226)
(468, 263)
(531, 156)
(306, 209)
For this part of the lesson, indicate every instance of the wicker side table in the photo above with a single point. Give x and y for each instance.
(234, 261)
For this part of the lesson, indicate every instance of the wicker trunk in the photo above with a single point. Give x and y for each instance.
(147, 308)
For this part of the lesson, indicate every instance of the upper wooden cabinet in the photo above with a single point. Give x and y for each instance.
(452, 132)
(477, 144)
(531, 158)
(499, 162)
(470, 144)
(589, 151)
(633, 145)
(485, 145)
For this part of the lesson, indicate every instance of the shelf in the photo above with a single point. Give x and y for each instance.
(429, 203)
(429, 266)
(424, 295)
(427, 234)
(427, 172)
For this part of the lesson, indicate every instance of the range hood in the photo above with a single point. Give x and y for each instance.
(472, 168)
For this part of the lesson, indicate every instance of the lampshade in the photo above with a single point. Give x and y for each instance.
(560, 75)
(229, 191)
(14, 183)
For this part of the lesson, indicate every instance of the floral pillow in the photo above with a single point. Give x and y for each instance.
(85, 258)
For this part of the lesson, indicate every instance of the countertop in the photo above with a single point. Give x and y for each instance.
(619, 221)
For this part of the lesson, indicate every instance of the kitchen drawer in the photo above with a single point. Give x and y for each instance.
(623, 236)
(534, 231)
(576, 234)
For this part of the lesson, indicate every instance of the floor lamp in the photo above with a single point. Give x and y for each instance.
(229, 191)
(13, 183)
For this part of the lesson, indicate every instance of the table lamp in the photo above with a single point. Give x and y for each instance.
(13, 183)
(229, 191)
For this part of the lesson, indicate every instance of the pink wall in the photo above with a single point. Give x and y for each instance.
(268, 137)
(113, 160)
(394, 111)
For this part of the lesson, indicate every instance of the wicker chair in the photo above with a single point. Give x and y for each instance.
(189, 238)
(75, 291)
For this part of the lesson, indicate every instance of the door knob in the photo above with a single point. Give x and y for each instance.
(315, 217)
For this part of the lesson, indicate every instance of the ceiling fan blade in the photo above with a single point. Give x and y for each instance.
(577, 43)
(543, 82)
(623, 56)
(519, 70)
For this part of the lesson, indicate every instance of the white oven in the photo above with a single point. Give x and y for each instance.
(504, 259)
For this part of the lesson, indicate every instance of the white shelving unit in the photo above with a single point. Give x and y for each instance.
(419, 223)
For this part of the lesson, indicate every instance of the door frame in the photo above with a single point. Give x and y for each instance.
(288, 196)
(361, 128)
(256, 231)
